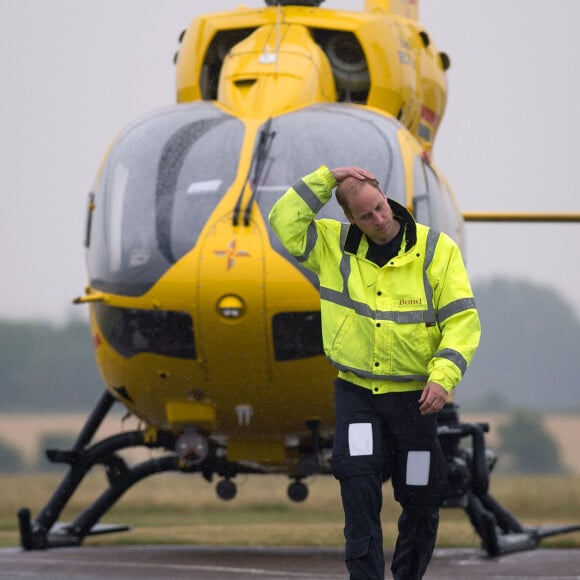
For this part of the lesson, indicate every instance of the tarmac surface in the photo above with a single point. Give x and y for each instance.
(256, 563)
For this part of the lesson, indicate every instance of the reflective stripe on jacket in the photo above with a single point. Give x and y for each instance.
(390, 328)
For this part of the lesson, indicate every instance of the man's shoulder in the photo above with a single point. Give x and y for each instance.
(424, 230)
(330, 225)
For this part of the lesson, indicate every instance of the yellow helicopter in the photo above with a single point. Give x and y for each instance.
(203, 326)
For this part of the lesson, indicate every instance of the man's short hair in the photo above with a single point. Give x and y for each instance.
(350, 186)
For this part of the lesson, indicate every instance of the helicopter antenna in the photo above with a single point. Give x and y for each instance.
(255, 172)
(261, 156)
(238, 207)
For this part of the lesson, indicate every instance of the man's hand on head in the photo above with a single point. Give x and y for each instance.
(341, 173)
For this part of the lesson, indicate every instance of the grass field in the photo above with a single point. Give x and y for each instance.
(179, 508)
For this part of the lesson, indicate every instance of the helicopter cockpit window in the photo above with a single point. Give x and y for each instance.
(162, 179)
(431, 200)
(334, 135)
(454, 218)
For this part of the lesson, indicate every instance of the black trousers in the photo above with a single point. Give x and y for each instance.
(381, 436)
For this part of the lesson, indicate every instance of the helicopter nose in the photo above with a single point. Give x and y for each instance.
(230, 304)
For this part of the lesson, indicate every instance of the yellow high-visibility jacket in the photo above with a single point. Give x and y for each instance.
(391, 328)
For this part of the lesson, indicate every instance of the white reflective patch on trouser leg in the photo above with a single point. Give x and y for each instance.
(418, 463)
(360, 439)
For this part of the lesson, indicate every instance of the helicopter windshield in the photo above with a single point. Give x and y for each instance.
(167, 172)
(163, 178)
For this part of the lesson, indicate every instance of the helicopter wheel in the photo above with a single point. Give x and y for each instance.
(226, 489)
(297, 491)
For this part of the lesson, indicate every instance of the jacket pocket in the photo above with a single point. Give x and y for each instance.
(339, 333)
(411, 349)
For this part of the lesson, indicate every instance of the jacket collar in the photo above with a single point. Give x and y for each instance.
(354, 235)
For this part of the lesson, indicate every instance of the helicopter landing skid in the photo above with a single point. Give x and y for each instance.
(501, 533)
(469, 470)
(46, 532)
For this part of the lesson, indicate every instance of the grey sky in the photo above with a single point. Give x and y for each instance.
(75, 72)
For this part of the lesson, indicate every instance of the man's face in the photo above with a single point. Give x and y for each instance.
(370, 211)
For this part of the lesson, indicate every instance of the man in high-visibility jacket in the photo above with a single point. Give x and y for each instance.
(399, 323)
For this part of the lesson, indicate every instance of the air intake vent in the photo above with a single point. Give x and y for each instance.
(131, 331)
(297, 335)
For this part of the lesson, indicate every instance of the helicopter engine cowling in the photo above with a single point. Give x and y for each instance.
(348, 62)
(293, 53)
(286, 65)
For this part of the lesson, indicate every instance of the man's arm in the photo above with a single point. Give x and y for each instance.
(292, 216)
(457, 317)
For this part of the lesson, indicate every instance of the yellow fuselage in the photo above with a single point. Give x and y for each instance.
(199, 320)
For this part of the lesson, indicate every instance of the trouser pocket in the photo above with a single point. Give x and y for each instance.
(357, 548)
